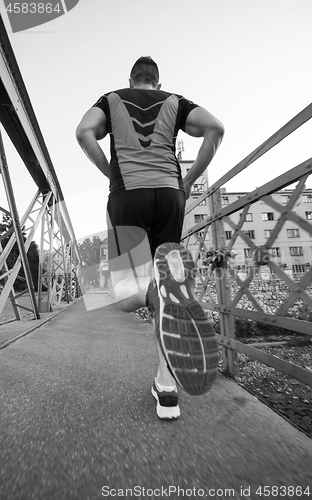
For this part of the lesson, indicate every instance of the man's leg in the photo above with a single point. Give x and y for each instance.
(130, 258)
(131, 276)
(185, 335)
(164, 376)
(130, 287)
(130, 298)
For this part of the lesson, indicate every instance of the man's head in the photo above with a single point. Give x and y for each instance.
(144, 73)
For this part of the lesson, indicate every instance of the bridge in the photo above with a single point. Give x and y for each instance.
(77, 417)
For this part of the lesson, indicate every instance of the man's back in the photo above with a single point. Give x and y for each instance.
(143, 125)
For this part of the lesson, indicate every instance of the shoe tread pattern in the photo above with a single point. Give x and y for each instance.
(188, 338)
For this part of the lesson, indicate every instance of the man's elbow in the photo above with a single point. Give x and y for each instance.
(82, 134)
(215, 133)
(219, 130)
(79, 134)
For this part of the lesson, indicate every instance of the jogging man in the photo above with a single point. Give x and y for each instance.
(149, 266)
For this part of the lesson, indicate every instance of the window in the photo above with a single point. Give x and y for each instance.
(225, 200)
(198, 188)
(275, 252)
(247, 252)
(199, 217)
(267, 233)
(248, 217)
(296, 251)
(267, 216)
(307, 198)
(298, 268)
(204, 202)
(250, 233)
(308, 215)
(285, 199)
(293, 233)
(228, 235)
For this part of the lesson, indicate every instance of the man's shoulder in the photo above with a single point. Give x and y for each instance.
(129, 93)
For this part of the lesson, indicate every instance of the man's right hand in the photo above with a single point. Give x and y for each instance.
(201, 123)
(188, 189)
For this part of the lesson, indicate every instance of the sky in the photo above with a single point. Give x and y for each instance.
(247, 61)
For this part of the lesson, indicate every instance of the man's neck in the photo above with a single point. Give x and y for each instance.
(144, 86)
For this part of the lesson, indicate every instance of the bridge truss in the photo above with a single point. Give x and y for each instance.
(47, 215)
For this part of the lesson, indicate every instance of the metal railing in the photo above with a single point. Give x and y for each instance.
(228, 295)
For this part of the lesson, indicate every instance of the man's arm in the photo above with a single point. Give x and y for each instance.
(91, 129)
(201, 123)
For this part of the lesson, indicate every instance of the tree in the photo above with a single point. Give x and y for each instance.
(90, 256)
(32, 254)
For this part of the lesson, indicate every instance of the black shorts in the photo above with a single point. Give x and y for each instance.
(139, 221)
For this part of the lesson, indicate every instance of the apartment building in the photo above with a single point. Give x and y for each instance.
(201, 211)
(291, 249)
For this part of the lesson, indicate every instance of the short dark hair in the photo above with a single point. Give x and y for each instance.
(145, 70)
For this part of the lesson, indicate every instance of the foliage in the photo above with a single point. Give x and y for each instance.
(32, 254)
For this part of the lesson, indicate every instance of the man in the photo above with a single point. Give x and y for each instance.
(146, 207)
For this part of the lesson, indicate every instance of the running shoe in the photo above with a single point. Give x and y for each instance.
(167, 402)
(185, 336)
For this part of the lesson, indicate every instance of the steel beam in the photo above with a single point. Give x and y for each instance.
(17, 227)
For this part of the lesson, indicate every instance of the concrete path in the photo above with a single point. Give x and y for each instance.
(78, 422)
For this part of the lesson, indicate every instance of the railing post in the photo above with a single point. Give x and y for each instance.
(227, 325)
(41, 295)
(4, 169)
(12, 292)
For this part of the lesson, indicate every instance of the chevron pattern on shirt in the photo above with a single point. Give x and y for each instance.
(143, 119)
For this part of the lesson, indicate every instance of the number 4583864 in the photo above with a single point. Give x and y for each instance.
(283, 491)
(33, 8)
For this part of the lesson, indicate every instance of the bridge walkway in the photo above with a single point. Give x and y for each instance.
(78, 421)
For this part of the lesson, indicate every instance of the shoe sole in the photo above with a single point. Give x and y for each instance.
(166, 412)
(186, 337)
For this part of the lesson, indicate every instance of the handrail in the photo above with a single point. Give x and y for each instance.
(287, 129)
(229, 296)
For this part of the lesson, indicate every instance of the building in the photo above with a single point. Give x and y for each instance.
(103, 267)
(291, 249)
(200, 212)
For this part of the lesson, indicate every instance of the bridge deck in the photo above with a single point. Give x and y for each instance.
(77, 415)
